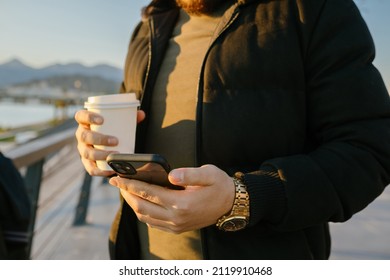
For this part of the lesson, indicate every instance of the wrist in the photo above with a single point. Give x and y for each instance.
(238, 217)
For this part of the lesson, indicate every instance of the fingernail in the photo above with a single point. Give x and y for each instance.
(97, 120)
(177, 176)
(112, 141)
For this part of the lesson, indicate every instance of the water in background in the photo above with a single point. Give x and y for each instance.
(14, 115)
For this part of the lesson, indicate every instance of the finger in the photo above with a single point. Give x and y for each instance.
(85, 117)
(146, 211)
(167, 224)
(140, 116)
(163, 226)
(152, 193)
(205, 175)
(90, 137)
(90, 153)
(154, 204)
(151, 214)
(93, 170)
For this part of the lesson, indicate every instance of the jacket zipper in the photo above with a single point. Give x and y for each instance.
(151, 28)
(199, 107)
(232, 18)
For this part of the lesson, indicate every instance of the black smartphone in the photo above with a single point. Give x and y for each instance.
(150, 168)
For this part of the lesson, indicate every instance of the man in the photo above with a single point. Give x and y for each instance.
(272, 115)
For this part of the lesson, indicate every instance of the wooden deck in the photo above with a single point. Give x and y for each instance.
(56, 238)
(365, 236)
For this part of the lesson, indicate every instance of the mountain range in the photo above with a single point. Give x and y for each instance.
(16, 72)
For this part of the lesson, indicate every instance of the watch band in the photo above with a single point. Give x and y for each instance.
(238, 217)
(241, 201)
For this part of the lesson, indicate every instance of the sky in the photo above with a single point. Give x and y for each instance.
(43, 32)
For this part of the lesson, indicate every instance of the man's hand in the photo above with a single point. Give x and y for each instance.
(86, 139)
(208, 194)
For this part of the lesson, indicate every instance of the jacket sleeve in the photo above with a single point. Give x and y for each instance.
(348, 120)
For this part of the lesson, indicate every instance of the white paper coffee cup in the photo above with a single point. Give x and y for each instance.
(120, 120)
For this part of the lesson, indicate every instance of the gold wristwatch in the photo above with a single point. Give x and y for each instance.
(238, 218)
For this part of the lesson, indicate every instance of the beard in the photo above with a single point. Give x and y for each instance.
(199, 7)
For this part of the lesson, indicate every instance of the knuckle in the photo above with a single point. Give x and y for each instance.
(122, 186)
(91, 172)
(84, 135)
(144, 195)
(177, 229)
(86, 153)
(138, 209)
(140, 217)
(79, 133)
(80, 148)
(76, 134)
(77, 116)
(182, 207)
(99, 139)
(179, 221)
(209, 168)
(80, 116)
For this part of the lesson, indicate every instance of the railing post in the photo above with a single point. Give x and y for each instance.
(33, 180)
(33, 155)
(82, 206)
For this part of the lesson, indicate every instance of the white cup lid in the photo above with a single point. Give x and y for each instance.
(113, 98)
(116, 100)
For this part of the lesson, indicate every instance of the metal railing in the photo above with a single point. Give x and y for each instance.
(31, 156)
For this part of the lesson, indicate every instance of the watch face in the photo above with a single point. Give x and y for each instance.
(234, 224)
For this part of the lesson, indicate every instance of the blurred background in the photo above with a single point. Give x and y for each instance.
(57, 52)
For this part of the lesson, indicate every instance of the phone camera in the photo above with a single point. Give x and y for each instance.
(124, 168)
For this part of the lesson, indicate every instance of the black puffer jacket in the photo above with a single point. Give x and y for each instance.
(287, 94)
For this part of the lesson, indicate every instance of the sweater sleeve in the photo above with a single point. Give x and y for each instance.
(267, 195)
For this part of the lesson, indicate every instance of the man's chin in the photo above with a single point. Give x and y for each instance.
(199, 7)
